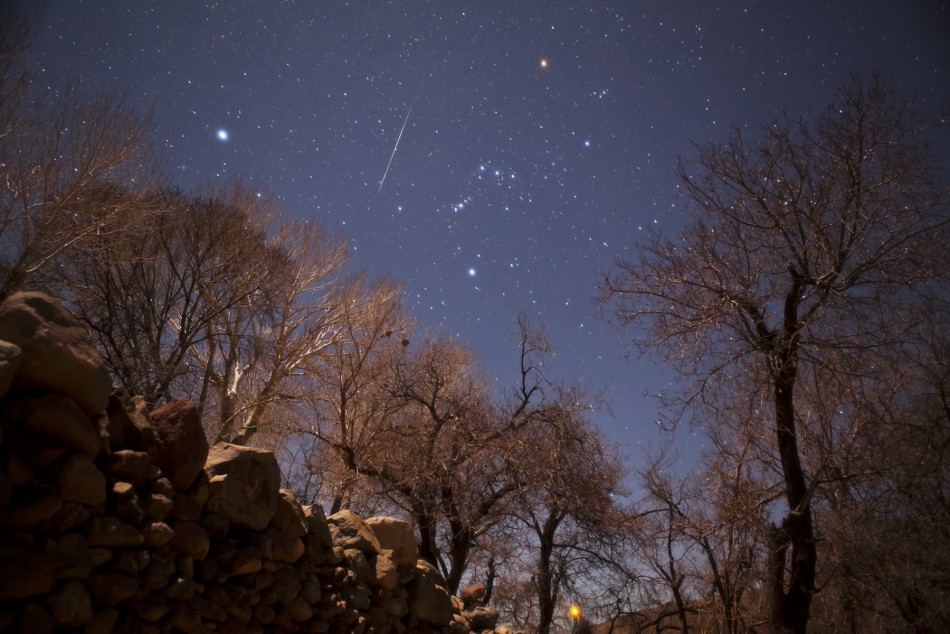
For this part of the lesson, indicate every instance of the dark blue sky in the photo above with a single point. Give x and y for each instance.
(540, 143)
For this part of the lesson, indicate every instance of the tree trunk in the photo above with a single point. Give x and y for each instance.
(544, 582)
(790, 602)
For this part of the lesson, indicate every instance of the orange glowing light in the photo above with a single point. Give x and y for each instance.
(575, 611)
(543, 63)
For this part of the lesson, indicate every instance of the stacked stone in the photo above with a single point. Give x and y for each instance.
(116, 519)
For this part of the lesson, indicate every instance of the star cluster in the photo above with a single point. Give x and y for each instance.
(538, 146)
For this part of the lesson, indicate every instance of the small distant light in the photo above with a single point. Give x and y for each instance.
(543, 62)
(471, 272)
(222, 135)
(575, 611)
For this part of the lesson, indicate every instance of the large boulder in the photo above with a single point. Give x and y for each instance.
(180, 444)
(429, 600)
(244, 486)
(290, 519)
(128, 424)
(317, 525)
(396, 535)
(58, 420)
(472, 594)
(481, 618)
(349, 530)
(58, 353)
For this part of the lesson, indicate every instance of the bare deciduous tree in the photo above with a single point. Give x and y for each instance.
(158, 291)
(261, 357)
(57, 151)
(565, 494)
(821, 238)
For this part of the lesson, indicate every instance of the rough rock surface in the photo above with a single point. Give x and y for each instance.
(348, 530)
(58, 353)
(113, 521)
(181, 447)
(397, 536)
(245, 484)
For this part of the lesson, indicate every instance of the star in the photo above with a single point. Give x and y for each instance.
(222, 135)
(543, 62)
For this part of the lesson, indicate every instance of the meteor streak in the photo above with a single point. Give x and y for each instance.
(395, 147)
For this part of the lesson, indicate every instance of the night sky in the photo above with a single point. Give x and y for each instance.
(536, 141)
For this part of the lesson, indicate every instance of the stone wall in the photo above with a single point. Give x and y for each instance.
(116, 519)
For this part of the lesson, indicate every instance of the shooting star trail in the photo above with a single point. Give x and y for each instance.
(395, 147)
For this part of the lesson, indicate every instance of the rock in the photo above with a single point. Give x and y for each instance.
(112, 532)
(481, 618)
(152, 608)
(282, 548)
(348, 530)
(397, 607)
(129, 426)
(180, 444)
(185, 507)
(190, 539)
(386, 573)
(24, 572)
(131, 466)
(157, 534)
(10, 357)
(33, 450)
(102, 622)
(290, 518)
(36, 620)
(126, 504)
(73, 559)
(287, 584)
(30, 505)
(69, 516)
(300, 611)
(157, 506)
(472, 594)
(216, 526)
(244, 486)
(310, 590)
(429, 600)
(59, 419)
(79, 480)
(163, 486)
(396, 535)
(317, 525)
(70, 605)
(59, 355)
(157, 574)
(355, 561)
(245, 561)
(111, 588)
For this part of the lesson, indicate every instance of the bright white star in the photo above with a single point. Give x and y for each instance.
(222, 135)
(471, 272)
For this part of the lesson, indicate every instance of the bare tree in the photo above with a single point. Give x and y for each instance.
(886, 469)
(565, 495)
(56, 151)
(818, 239)
(259, 359)
(417, 424)
(156, 293)
(703, 540)
(352, 413)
